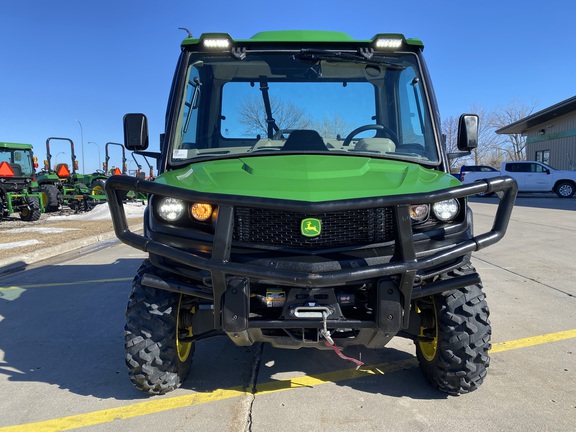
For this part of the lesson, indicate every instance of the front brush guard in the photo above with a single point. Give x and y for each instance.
(221, 267)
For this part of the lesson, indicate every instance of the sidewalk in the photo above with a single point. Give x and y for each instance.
(24, 243)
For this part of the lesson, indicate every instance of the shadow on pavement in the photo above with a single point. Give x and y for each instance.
(63, 325)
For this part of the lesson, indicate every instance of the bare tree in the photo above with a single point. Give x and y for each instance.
(286, 115)
(450, 132)
(332, 126)
(513, 145)
(489, 147)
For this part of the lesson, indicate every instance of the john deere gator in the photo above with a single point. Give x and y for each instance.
(304, 200)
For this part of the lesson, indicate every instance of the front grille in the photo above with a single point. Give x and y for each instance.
(349, 228)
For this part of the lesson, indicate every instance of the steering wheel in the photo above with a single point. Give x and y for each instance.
(388, 133)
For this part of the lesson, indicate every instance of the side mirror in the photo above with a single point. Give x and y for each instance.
(135, 132)
(467, 132)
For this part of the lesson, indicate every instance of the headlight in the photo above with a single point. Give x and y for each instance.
(171, 209)
(446, 210)
(419, 212)
(201, 212)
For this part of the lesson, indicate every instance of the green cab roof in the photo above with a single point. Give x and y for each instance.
(303, 36)
(15, 145)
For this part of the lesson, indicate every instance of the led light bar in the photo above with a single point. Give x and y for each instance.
(216, 43)
(388, 43)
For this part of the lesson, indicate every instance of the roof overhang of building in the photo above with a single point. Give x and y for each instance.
(544, 116)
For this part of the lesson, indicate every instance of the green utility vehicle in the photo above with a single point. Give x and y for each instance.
(63, 185)
(18, 183)
(304, 199)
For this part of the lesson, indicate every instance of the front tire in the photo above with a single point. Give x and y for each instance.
(565, 189)
(157, 361)
(33, 212)
(452, 348)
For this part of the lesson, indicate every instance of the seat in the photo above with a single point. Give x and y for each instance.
(17, 170)
(304, 139)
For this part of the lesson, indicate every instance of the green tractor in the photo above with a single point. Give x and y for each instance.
(116, 171)
(139, 173)
(18, 187)
(304, 200)
(109, 170)
(63, 185)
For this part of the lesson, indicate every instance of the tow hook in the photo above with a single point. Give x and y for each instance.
(329, 342)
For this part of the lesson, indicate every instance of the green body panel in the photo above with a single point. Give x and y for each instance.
(47, 177)
(312, 178)
(18, 146)
(14, 201)
(301, 36)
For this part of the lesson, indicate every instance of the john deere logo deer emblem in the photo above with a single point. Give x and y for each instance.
(311, 227)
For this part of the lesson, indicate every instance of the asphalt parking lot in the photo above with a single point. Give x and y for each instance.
(61, 352)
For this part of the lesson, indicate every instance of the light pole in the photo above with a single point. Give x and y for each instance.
(82, 138)
(98, 147)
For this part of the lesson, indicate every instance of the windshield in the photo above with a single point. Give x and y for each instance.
(20, 161)
(287, 102)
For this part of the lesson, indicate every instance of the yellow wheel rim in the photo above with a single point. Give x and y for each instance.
(429, 347)
(183, 348)
(97, 190)
(44, 199)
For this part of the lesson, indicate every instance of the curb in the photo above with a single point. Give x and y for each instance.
(14, 264)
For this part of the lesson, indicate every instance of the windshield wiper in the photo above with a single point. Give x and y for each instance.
(193, 104)
(272, 127)
(361, 56)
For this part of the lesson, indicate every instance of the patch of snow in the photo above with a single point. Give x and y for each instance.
(102, 212)
(40, 230)
(19, 244)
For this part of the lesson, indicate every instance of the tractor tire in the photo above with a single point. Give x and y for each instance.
(52, 197)
(3, 212)
(454, 340)
(157, 361)
(33, 213)
(98, 187)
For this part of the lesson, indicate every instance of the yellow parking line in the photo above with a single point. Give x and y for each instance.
(531, 341)
(169, 403)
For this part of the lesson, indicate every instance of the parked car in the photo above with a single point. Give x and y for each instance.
(475, 168)
(531, 176)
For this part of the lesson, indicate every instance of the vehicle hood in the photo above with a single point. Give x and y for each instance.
(311, 178)
(565, 173)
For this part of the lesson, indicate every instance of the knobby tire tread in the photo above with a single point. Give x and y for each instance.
(464, 335)
(150, 338)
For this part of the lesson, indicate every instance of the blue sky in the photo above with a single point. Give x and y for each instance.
(74, 68)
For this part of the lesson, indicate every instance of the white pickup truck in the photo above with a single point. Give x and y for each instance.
(531, 176)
